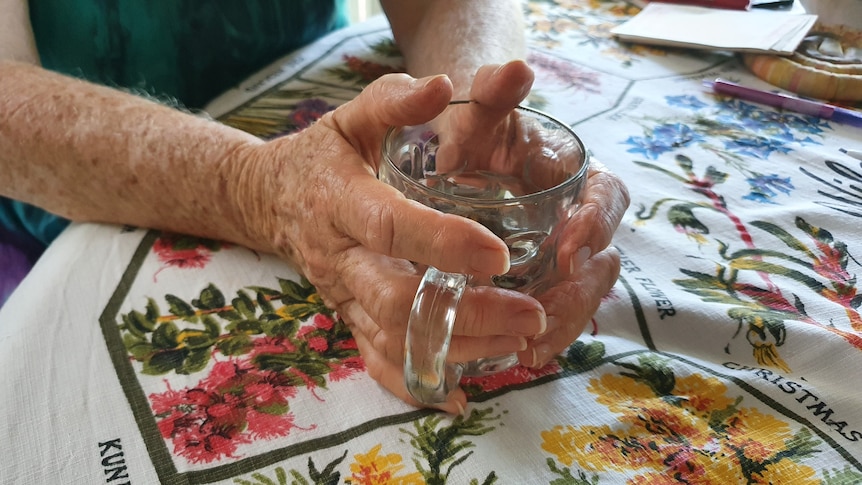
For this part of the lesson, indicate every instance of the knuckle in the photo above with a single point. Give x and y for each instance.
(471, 321)
(317, 267)
(443, 237)
(390, 348)
(380, 298)
(610, 259)
(608, 190)
(376, 371)
(380, 228)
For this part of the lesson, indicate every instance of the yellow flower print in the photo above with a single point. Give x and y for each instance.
(757, 435)
(610, 387)
(785, 472)
(372, 468)
(568, 443)
(704, 395)
(681, 430)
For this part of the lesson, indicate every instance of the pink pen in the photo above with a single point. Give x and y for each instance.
(790, 103)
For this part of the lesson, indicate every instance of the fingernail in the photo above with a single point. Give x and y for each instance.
(490, 261)
(579, 258)
(461, 410)
(504, 344)
(544, 323)
(553, 323)
(524, 323)
(432, 79)
(542, 354)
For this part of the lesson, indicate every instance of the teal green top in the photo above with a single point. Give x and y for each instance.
(185, 51)
(190, 50)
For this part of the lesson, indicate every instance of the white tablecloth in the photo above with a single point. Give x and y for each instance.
(729, 351)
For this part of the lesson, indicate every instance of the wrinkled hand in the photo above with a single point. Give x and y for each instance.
(593, 266)
(589, 266)
(315, 199)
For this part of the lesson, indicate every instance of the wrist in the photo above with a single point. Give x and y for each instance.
(242, 186)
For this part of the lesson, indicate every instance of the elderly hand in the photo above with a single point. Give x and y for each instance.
(589, 266)
(315, 197)
(593, 266)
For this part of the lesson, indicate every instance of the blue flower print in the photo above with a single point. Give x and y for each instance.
(757, 146)
(677, 134)
(664, 138)
(648, 146)
(765, 187)
(736, 109)
(685, 101)
(792, 121)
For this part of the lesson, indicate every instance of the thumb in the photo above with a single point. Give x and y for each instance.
(392, 100)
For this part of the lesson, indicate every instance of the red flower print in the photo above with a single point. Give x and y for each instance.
(186, 252)
(318, 344)
(222, 372)
(516, 375)
(304, 331)
(349, 344)
(267, 426)
(308, 111)
(367, 70)
(346, 368)
(323, 322)
(271, 345)
(231, 406)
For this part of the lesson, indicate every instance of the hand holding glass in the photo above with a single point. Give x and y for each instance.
(520, 177)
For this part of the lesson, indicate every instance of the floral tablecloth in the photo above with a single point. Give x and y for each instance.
(729, 351)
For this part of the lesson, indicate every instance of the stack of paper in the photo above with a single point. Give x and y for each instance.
(712, 28)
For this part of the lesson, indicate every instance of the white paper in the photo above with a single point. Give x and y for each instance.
(713, 28)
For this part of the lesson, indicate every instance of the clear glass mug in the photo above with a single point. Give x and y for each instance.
(521, 179)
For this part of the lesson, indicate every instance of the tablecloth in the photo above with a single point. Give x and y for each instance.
(729, 351)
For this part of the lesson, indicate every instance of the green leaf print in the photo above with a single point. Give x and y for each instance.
(566, 477)
(327, 476)
(439, 449)
(847, 476)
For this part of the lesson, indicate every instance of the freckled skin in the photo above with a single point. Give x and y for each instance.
(92, 153)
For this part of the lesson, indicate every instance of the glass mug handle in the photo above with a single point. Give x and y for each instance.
(429, 378)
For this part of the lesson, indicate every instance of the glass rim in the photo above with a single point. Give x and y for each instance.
(581, 173)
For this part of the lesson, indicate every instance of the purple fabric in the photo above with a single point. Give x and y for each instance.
(17, 255)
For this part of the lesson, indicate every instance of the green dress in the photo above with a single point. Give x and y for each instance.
(182, 51)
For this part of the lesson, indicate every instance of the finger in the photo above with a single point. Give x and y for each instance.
(385, 289)
(383, 220)
(488, 310)
(392, 100)
(502, 87)
(389, 344)
(466, 349)
(477, 128)
(592, 227)
(391, 377)
(571, 305)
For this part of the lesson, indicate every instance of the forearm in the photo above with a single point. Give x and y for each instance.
(92, 153)
(455, 37)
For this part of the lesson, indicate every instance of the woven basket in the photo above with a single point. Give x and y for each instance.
(827, 65)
